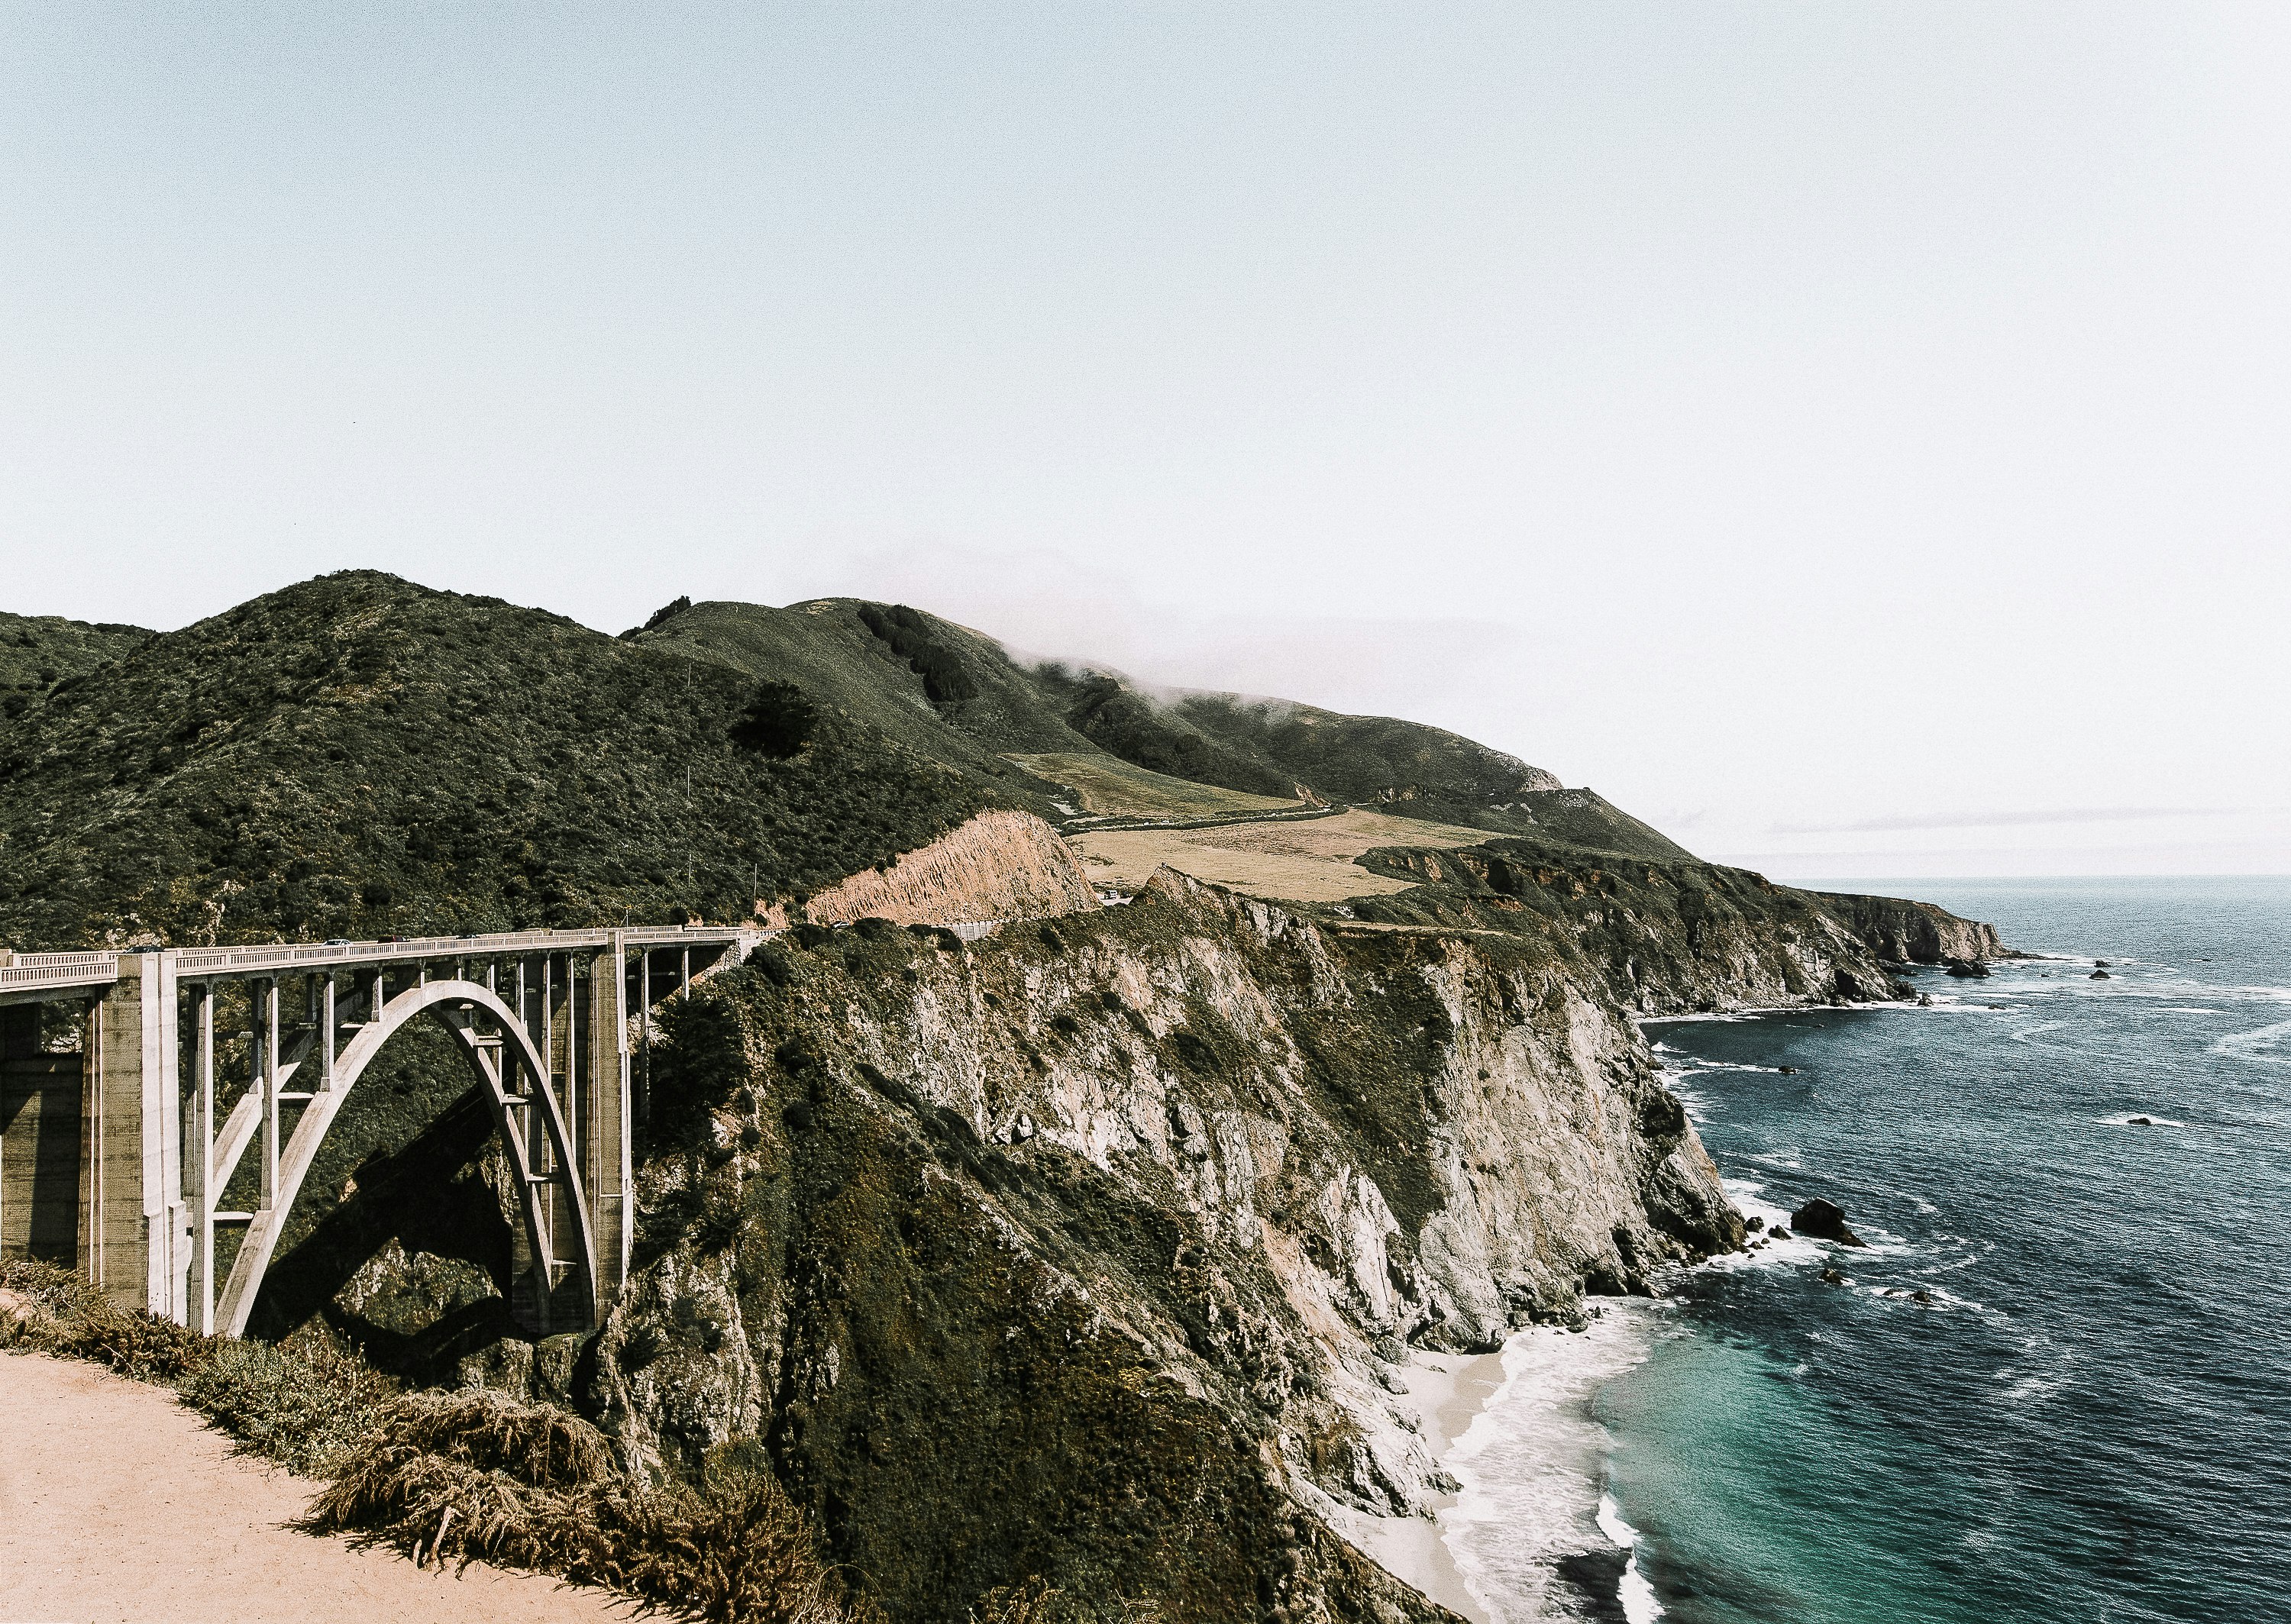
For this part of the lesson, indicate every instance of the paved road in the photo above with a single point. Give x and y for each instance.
(118, 1506)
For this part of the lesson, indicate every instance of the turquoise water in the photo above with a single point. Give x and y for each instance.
(2090, 1421)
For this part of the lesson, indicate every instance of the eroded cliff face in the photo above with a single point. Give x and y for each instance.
(1081, 1252)
(997, 865)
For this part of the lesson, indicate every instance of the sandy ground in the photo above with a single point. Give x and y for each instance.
(116, 1504)
(1444, 1392)
(1308, 861)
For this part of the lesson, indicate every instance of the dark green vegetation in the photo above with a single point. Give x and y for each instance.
(357, 756)
(37, 652)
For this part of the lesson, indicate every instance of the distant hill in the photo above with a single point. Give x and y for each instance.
(959, 696)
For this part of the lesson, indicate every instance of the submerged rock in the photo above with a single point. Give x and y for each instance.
(1826, 1220)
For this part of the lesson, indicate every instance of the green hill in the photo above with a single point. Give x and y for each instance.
(958, 696)
(359, 756)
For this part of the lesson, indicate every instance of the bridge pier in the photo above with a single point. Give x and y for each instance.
(39, 1143)
(607, 1124)
(134, 1241)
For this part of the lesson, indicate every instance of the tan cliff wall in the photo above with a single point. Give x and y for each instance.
(1001, 865)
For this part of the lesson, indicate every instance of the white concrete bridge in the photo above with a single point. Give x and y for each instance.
(116, 1152)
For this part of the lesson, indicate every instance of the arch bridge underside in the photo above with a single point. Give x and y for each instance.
(557, 1281)
(548, 1023)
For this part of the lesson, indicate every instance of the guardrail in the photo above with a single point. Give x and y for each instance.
(80, 970)
(65, 971)
(308, 955)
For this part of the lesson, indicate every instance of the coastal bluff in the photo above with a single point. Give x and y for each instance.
(1909, 932)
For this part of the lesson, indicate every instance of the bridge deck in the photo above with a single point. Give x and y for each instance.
(25, 977)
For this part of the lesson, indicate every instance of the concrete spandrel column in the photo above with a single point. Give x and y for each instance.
(607, 1174)
(134, 1239)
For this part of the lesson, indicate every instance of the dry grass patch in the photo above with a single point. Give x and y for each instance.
(1309, 860)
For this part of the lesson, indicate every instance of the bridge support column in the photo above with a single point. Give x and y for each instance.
(39, 1144)
(608, 1177)
(135, 1242)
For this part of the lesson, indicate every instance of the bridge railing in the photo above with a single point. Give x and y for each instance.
(317, 955)
(45, 970)
(32, 973)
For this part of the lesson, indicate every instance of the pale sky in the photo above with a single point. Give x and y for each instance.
(1853, 437)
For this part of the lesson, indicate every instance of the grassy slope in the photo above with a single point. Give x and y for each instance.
(957, 696)
(38, 651)
(970, 707)
(357, 755)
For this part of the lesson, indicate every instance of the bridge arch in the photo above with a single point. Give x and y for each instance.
(531, 1123)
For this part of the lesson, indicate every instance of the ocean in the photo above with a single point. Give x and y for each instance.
(2087, 1420)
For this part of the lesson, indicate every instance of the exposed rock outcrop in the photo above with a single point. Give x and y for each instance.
(999, 865)
(1825, 1220)
(1083, 1251)
(1915, 932)
(1667, 937)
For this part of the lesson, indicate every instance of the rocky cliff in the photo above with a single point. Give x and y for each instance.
(998, 866)
(1081, 1252)
(1915, 932)
(1666, 938)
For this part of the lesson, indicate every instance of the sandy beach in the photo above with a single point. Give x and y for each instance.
(1445, 1392)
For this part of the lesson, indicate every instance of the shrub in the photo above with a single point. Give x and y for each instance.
(471, 1476)
(777, 722)
(306, 1405)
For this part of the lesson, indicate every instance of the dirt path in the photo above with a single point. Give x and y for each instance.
(117, 1505)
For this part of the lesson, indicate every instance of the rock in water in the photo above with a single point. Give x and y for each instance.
(2139, 1122)
(1827, 1221)
(2101, 976)
(1972, 969)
